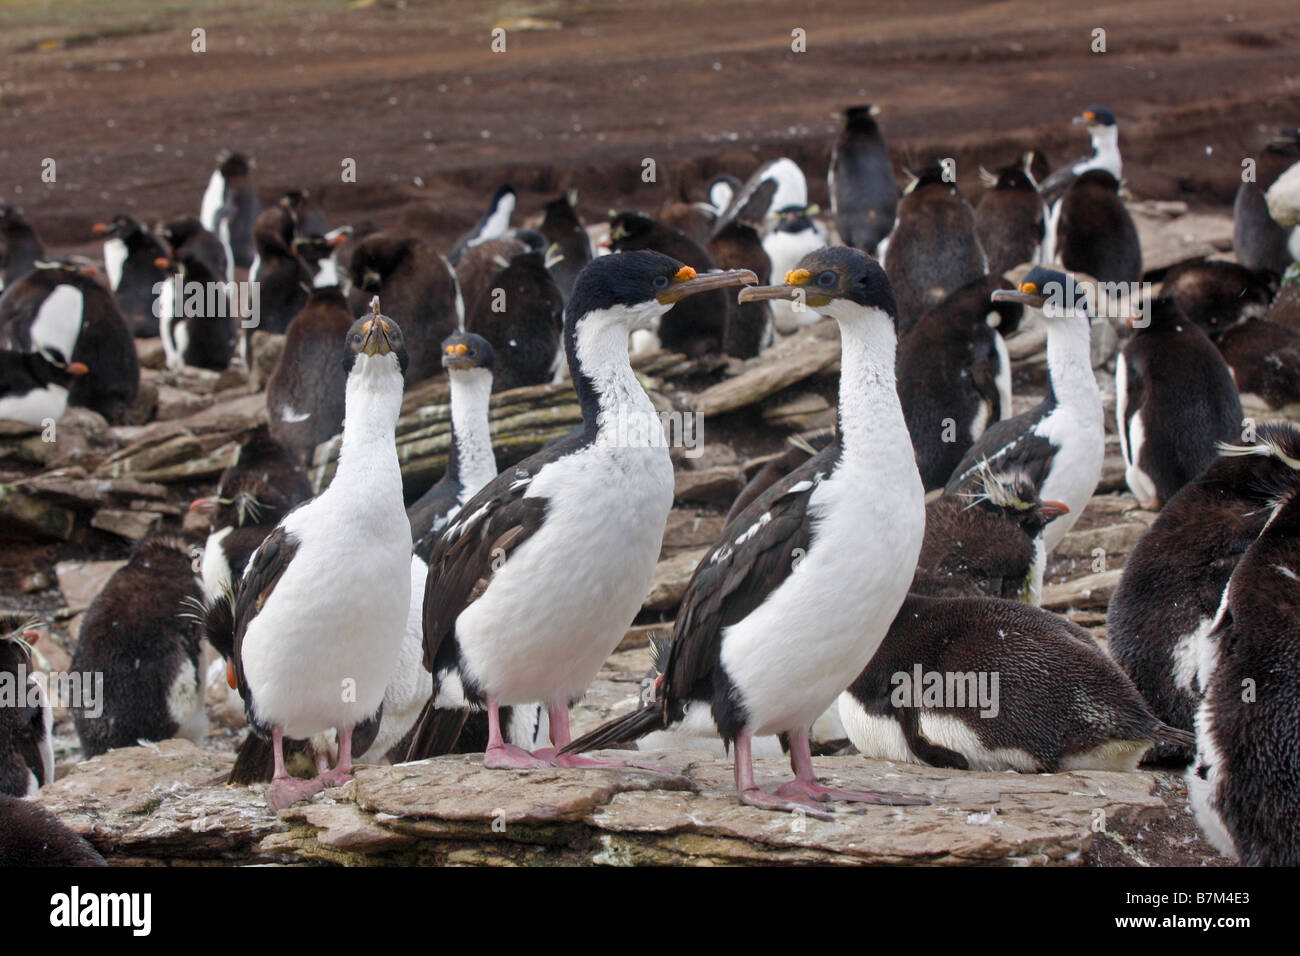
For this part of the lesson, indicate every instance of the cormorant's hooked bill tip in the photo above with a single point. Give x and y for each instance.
(686, 282)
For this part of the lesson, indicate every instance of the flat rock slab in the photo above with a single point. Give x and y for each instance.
(166, 804)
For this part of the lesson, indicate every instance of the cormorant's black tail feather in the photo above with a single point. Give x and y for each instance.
(437, 732)
(621, 731)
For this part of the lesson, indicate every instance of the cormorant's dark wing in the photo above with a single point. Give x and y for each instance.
(491, 524)
(428, 514)
(758, 550)
(1054, 186)
(265, 568)
(1008, 443)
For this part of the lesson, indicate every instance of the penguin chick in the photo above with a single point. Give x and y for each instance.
(985, 684)
(32, 836)
(1010, 219)
(138, 637)
(521, 315)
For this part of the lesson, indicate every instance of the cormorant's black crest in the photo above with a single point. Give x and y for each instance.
(465, 350)
(851, 274)
(1099, 116)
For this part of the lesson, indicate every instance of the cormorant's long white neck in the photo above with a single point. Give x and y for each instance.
(1069, 361)
(623, 412)
(373, 402)
(871, 418)
(471, 395)
(1105, 150)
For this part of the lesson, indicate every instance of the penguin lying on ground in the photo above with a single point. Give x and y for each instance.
(61, 306)
(1242, 785)
(749, 325)
(986, 684)
(1060, 443)
(1174, 578)
(468, 360)
(933, 250)
(316, 620)
(1174, 402)
(137, 635)
(864, 196)
(954, 375)
(304, 395)
(986, 543)
(34, 385)
(32, 836)
(26, 719)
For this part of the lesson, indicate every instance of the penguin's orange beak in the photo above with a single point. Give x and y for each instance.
(99, 228)
(77, 368)
(230, 675)
(162, 262)
(203, 506)
(1054, 509)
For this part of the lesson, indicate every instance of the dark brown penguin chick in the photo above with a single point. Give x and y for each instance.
(694, 326)
(304, 395)
(864, 196)
(26, 720)
(1095, 233)
(479, 265)
(1174, 578)
(564, 230)
(282, 277)
(199, 328)
(61, 305)
(138, 635)
(418, 289)
(252, 495)
(131, 254)
(1265, 361)
(521, 315)
(954, 375)
(1216, 294)
(986, 544)
(933, 250)
(187, 236)
(749, 324)
(694, 220)
(32, 836)
(1285, 309)
(1242, 785)
(1174, 402)
(20, 246)
(1010, 219)
(993, 685)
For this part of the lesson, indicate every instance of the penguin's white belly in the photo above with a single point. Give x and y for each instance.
(1138, 481)
(816, 632)
(321, 652)
(1203, 793)
(562, 601)
(1076, 469)
(36, 406)
(185, 703)
(214, 568)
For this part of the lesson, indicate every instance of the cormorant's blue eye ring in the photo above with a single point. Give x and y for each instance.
(827, 278)
(661, 282)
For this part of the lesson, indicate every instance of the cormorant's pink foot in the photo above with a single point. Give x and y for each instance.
(286, 791)
(812, 790)
(509, 757)
(767, 801)
(335, 778)
(578, 760)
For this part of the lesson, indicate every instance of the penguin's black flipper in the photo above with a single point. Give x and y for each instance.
(436, 732)
(909, 721)
(1173, 737)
